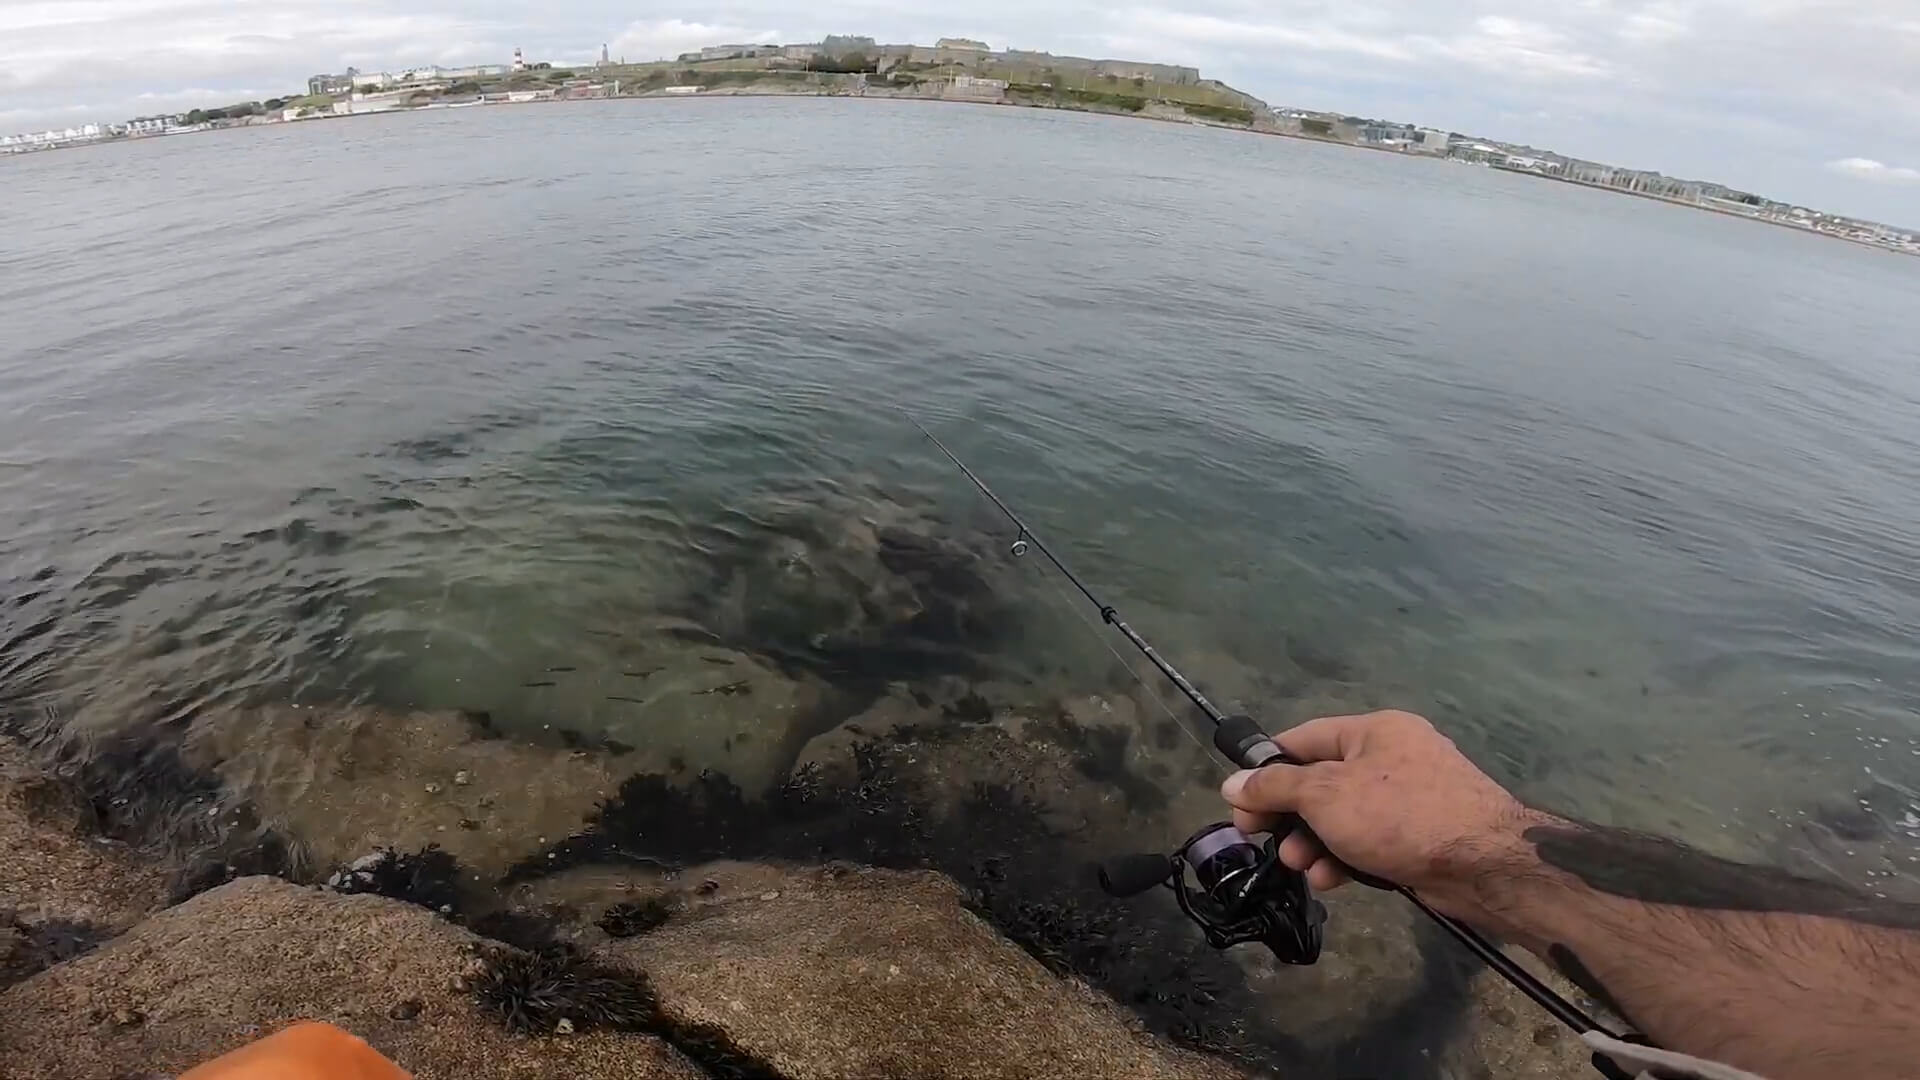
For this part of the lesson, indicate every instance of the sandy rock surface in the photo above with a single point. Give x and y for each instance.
(877, 973)
(251, 957)
(1507, 1035)
(61, 886)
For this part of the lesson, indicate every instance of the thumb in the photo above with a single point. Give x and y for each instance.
(1275, 789)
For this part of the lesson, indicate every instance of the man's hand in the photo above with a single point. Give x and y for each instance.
(1388, 795)
(1792, 978)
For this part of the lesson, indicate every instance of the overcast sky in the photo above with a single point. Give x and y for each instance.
(1816, 101)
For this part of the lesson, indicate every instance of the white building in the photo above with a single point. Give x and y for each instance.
(431, 72)
(36, 140)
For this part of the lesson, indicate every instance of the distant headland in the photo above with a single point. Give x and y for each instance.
(951, 69)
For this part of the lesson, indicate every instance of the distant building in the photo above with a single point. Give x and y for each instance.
(842, 44)
(1528, 163)
(1432, 141)
(681, 90)
(331, 84)
(802, 52)
(604, 59)
(46, 140)
(434, 72)
(970, 88)
(967, 44)
(150, 125)
(1166, 73)
(519, 60)
(727, 52)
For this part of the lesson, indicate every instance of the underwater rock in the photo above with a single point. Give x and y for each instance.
(857, 592)
(346, 780)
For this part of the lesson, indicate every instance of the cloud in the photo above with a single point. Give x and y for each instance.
(1520, 49)
(1657, 24)
(1869, 169)
(664, 39)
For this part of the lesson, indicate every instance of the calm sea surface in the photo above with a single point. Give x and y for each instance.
(408, 410)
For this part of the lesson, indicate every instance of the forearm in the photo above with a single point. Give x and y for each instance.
(1736, 963)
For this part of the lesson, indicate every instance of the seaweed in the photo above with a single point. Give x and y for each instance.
(429, 878)
(557, 989)
(636, 917)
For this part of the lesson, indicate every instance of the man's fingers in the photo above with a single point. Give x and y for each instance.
(1329, 738)
(1276, 789)
(1252, 824)
(1301, 849)
(1328, 873)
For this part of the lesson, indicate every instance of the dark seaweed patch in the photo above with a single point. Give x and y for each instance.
(637, 917)
(532, 992)
(429, 877)
(970, 708)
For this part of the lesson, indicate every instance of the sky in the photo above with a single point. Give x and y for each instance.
(1813, 101)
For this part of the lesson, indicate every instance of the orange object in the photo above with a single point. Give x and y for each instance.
(305, 1051)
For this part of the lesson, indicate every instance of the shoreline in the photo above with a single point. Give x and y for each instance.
(863, 92)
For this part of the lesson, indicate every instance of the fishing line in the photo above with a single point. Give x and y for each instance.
(1066, 599)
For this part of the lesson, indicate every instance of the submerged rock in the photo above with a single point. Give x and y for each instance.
(252, 956)
(350, 779)
(860, 592)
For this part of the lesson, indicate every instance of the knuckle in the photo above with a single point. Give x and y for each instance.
(1402, 721)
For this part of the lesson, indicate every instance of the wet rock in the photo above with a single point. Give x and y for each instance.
(29, 946)
(1507, 1035)
(874, 973)
(62, 887)
(281, 760)
(252, 956)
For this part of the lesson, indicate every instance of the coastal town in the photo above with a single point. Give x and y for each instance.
(952, 69)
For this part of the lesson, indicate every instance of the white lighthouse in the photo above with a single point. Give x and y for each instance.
(519, 60)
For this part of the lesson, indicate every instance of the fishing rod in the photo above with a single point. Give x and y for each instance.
(1245, 893)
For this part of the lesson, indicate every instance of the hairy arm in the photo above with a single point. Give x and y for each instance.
(1749, 965)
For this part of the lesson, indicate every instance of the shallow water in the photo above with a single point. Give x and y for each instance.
(415, 410)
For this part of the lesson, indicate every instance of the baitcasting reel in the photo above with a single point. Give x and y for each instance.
(1245, 893)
